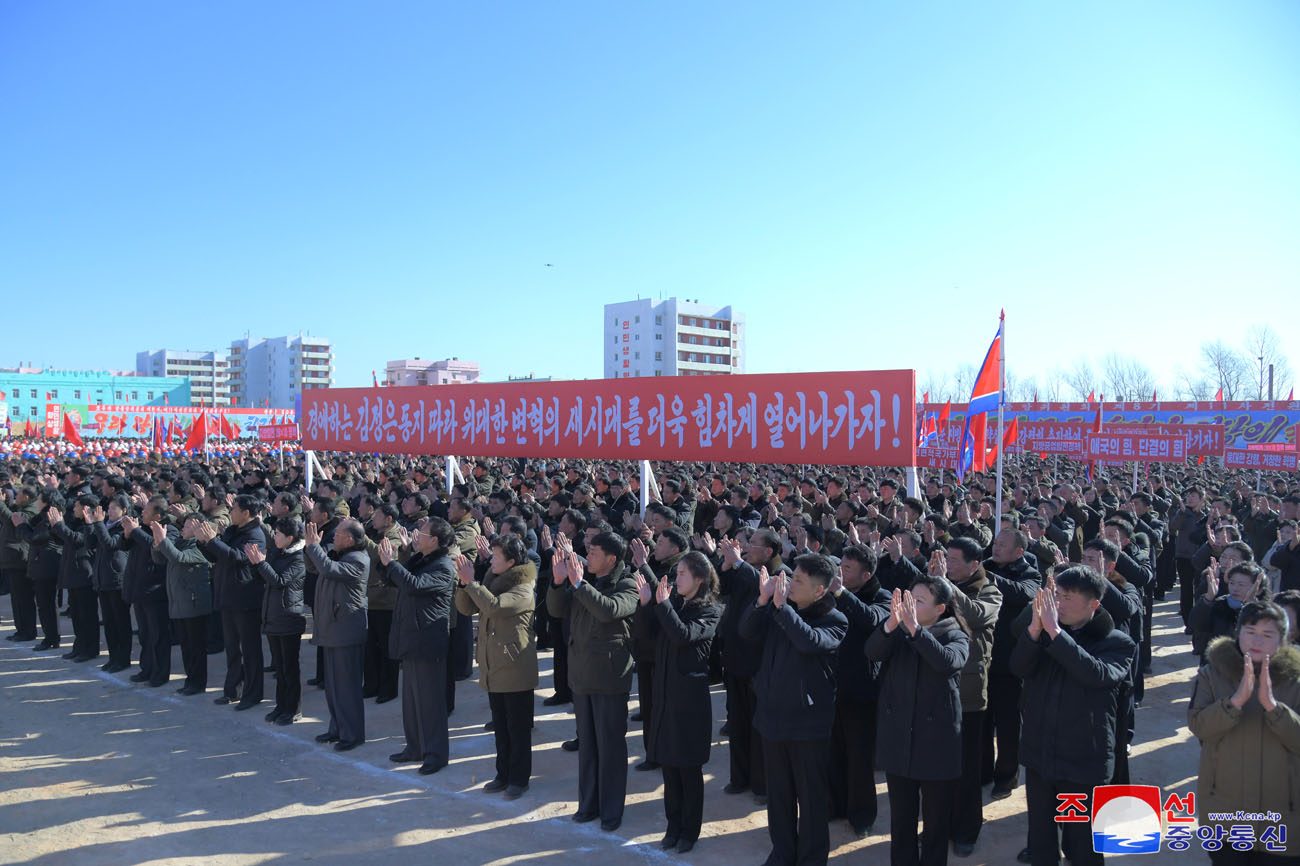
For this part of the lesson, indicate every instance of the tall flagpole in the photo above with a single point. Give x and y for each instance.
(1002, 384)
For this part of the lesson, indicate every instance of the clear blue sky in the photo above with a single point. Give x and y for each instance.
(870, 182)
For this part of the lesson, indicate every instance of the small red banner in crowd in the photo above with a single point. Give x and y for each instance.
(277, 432)
(53, 420)
(1240, 458)
(1054, 437)
(855, 419)
(1144, 448)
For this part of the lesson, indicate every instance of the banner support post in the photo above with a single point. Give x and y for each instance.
(451, 474)
(309, 455)
(913, 482)
(647, 478)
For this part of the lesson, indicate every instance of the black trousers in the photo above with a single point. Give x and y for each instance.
(1186, 586)
(155, 640)
(22, 594)
(1123, 734)
(47, 607)
(286, 655)
(745, 743)
(645, 693)
(684, 801)
(84, 610)
(242, 634)
(1001, 729)
(424, 709)
(462, 647)
(194, 650)
(560, 665)
(931, 802)
(216, 635)
(852, 777)
(449, 684)
(380, 680)
(117, 626)
(1046, 835)
(512, 722)
(343, 675)
(967, 798)
(797, 813)
(602, 754)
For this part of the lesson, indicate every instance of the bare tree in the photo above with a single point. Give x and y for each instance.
(1191, 385)
(1081, 379)
(962, 382)
(1263, 349)
(1054, 386)
(938, 386)
(1226, 369)
(1020, 390)
(1126, 379)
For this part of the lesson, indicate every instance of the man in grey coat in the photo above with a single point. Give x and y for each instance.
(339, 626)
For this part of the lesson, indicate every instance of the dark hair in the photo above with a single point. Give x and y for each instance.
(355, 530)
(817, 566)
(120, 500)
(247, 503)
(441, 530)
(1109, 549)
(1288, 598)
(52, 499)
(290, 525)
(862, 555)
(768, 539)
(941, 590)
(1122, 525)
(1243, 548)
(701, 569)
(940, 522)
(676, 538)
(1263, 611)
(511, 547)
(969, 548)
(610, 543)
(1082, 579)
(1253, 572)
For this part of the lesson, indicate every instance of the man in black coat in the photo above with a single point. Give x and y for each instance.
(237, 593)
(795, 620)
(339, 626)
(1073, 661)
(860, 597)
(1018, 582)
(144, 587)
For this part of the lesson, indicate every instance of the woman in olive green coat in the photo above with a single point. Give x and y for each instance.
(507, 654)
(1245, 717)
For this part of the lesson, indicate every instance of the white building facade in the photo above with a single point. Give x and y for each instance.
(672, 337)
(273, 372)
(208, 372)
(415, 371)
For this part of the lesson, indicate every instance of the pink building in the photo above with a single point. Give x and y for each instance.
(452, 371)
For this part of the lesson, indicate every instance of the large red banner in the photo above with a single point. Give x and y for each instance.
(53, 420)
(1067, 437)
(853, 418)
(1144, 448)
(277, 432)
(1241, 458)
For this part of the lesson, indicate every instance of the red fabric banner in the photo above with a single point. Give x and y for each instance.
(277, 432)
(854, 418)
(53, 420)
(1144, 448)
(1241, 458)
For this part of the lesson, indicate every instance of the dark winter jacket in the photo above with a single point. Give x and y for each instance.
(339, 614)
(110, 555)
(600, 611)
(189, 578)
(77, 565)
(284, 612)
(679, 730)
(422, 614)
(856, 676)
(234, 586)
(1018, 582)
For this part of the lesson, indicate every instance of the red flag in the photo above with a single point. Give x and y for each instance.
(1153, 396)
(1092, 395)
(943, 416)
(1012, 433)
(1218, 395)
(1291, 396)
(166, 401)
(1035, 396)
(198, 433)
(926, 399)
(157, 433)
(49, 395)
(374, 378)
(226, 430)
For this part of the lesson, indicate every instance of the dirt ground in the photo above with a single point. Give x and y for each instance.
(97, 770)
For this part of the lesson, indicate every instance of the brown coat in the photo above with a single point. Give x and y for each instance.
(1250, 759)
(507, 650)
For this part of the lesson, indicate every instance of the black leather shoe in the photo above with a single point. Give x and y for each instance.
(327, 737)
(490, 726)
(114, 668)
(1003, 790)
(287, 719)
(611, 826)
(668, 843)
(383, 699)
(570, 745)
(583, 818)
(46, 645)
(514, 792)
(71, 655)
(428, 768)
(246, 705)
(315, 681)
(272, 716)
(139, 677)
(555, 701)
(403, 757)
(84, 658)
(862, 830)
(647, 764)
(733, 788)
(1024, 856)
(222, 701)
(685, 845)
(155, 684)
(186, 691)
(635, 717)
(963, 849)
(347, 746)
(495, 785)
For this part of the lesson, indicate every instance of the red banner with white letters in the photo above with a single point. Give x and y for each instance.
(1144, 448)
(277, 432)
(853, 418)
(1242, 458)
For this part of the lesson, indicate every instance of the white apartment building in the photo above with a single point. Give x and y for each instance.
(274, 371)
(672, 337)
(208, 372)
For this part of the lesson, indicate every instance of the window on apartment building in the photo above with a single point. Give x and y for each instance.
(659, 356)
(637, 338)
(616, 338)
(135, 395)
(33, 393)
(76, 395)
(637, 356)
(150, 395)
(32, 411)
(616, 321)
(636, 319)
(659, 320)
(659, 336)
(117, 395)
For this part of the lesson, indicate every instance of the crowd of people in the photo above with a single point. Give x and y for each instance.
(855, 628)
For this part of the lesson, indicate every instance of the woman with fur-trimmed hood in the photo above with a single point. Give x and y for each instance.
(1245, 717)
(507, 654)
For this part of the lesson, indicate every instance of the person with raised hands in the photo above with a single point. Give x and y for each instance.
(284, 612)
(598, 599)
(795, 621)
(923, 648)
(678, 731)
(1244, 703)
(420, 638)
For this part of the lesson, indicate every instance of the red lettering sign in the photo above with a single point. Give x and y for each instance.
(1241, 458)
(53, 420)
(277, 432)
(856, 419)
(1054, 437)
(1126, 446)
